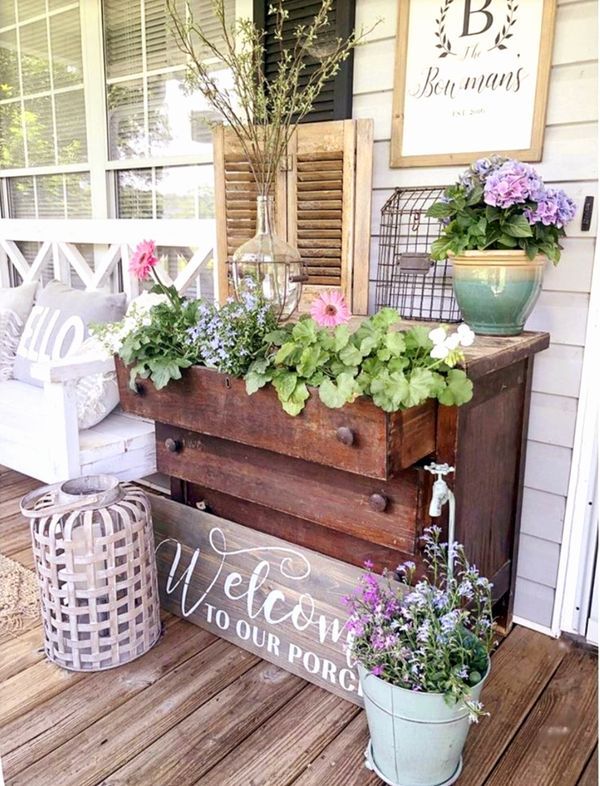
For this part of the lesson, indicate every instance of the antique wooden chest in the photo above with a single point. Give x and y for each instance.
(349, 482)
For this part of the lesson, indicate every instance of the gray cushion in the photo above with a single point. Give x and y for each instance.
(58, 325)
(18, 299)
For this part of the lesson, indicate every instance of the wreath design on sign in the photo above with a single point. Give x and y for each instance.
(444, 43)
(443, 40)
(505, 33)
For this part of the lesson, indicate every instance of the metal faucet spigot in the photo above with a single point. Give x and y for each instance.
(440, 492)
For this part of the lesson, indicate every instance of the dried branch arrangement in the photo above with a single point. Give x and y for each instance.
(262, 112)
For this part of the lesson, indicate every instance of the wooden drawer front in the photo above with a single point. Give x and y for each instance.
(340, 545)
(358, 438)
(333, 499)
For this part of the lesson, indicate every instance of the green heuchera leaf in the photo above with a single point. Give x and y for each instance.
(395, 343)
(389, 390)
(344, 390)
(350, 355)
(309, 360)
(284, 383)
(420, 384)
(458, 389)
(305, 332)
(384, 318)
(341, 336)
(295, 403)
(257, 375)
(418, 338)
(285, 352)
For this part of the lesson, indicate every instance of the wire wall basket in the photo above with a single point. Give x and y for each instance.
(407, 278)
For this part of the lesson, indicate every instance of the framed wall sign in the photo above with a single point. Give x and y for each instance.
(471, 79)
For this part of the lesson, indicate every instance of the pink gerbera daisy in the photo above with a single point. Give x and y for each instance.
(330, 309)
(143, 260)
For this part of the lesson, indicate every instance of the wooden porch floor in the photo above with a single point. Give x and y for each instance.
(197, 710)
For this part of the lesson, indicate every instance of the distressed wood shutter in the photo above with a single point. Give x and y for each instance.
(322, 205)
(335, 100)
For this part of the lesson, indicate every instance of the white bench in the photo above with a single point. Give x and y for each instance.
(39, 435)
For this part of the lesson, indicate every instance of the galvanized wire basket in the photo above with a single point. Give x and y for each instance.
(407, 278)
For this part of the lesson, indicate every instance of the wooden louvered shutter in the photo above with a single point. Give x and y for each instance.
(323, 206)
(335, 101)
(329, 207)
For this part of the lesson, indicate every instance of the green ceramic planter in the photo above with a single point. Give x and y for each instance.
(497, 290)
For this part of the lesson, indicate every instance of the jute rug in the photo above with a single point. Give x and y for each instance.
(19, 597)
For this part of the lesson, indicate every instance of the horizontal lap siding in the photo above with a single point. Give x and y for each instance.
(570, 161)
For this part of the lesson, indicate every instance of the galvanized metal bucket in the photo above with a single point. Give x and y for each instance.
(416, 738)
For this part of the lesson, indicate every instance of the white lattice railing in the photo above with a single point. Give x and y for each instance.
(113, 241)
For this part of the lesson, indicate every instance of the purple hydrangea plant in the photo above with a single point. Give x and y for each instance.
(435, 636)
(501, 204)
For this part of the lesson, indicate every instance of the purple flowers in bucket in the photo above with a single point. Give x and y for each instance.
(434, 636)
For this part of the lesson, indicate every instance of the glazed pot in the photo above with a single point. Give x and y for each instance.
(497, 290)
(416, 738)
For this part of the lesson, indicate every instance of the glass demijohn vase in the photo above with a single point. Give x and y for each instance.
(269, 265)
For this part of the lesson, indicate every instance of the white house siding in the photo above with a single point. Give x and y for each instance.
(570, 155)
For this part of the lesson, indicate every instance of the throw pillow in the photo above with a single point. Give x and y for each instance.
(19, 299)
(97, 394)
(15, 305)
(10, 332)
(58, 325)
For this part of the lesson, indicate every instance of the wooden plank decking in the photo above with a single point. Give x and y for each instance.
(198, 710)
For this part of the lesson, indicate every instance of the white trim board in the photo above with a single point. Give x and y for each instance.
(535, 626)
(576, 564)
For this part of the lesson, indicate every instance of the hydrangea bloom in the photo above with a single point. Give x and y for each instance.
(512, 184)
(477, 173)
(555, 208)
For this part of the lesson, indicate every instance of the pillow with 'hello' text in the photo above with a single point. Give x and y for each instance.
(58, 325)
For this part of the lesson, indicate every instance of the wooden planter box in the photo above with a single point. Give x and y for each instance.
(358, 438)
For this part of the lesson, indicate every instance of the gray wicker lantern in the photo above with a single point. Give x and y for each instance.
(93, 546)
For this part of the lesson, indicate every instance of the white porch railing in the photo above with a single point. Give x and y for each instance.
(113, 241)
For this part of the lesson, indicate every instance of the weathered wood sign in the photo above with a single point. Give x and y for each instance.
(273, 598)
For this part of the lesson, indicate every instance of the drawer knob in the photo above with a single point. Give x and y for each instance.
(345, 435)
(378, 502)
(172, 445)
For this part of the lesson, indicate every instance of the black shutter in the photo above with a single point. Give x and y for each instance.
(335, 100)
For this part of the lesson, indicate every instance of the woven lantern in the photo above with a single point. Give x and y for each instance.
(93, 546)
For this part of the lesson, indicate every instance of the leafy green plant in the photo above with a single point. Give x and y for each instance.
(394, 368)
(159, 348)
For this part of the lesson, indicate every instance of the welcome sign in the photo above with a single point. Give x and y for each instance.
(471, 79)
(273, 598)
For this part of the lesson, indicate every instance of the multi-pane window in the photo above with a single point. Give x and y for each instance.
(150, 115)
(96, 119)
(42, 109)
